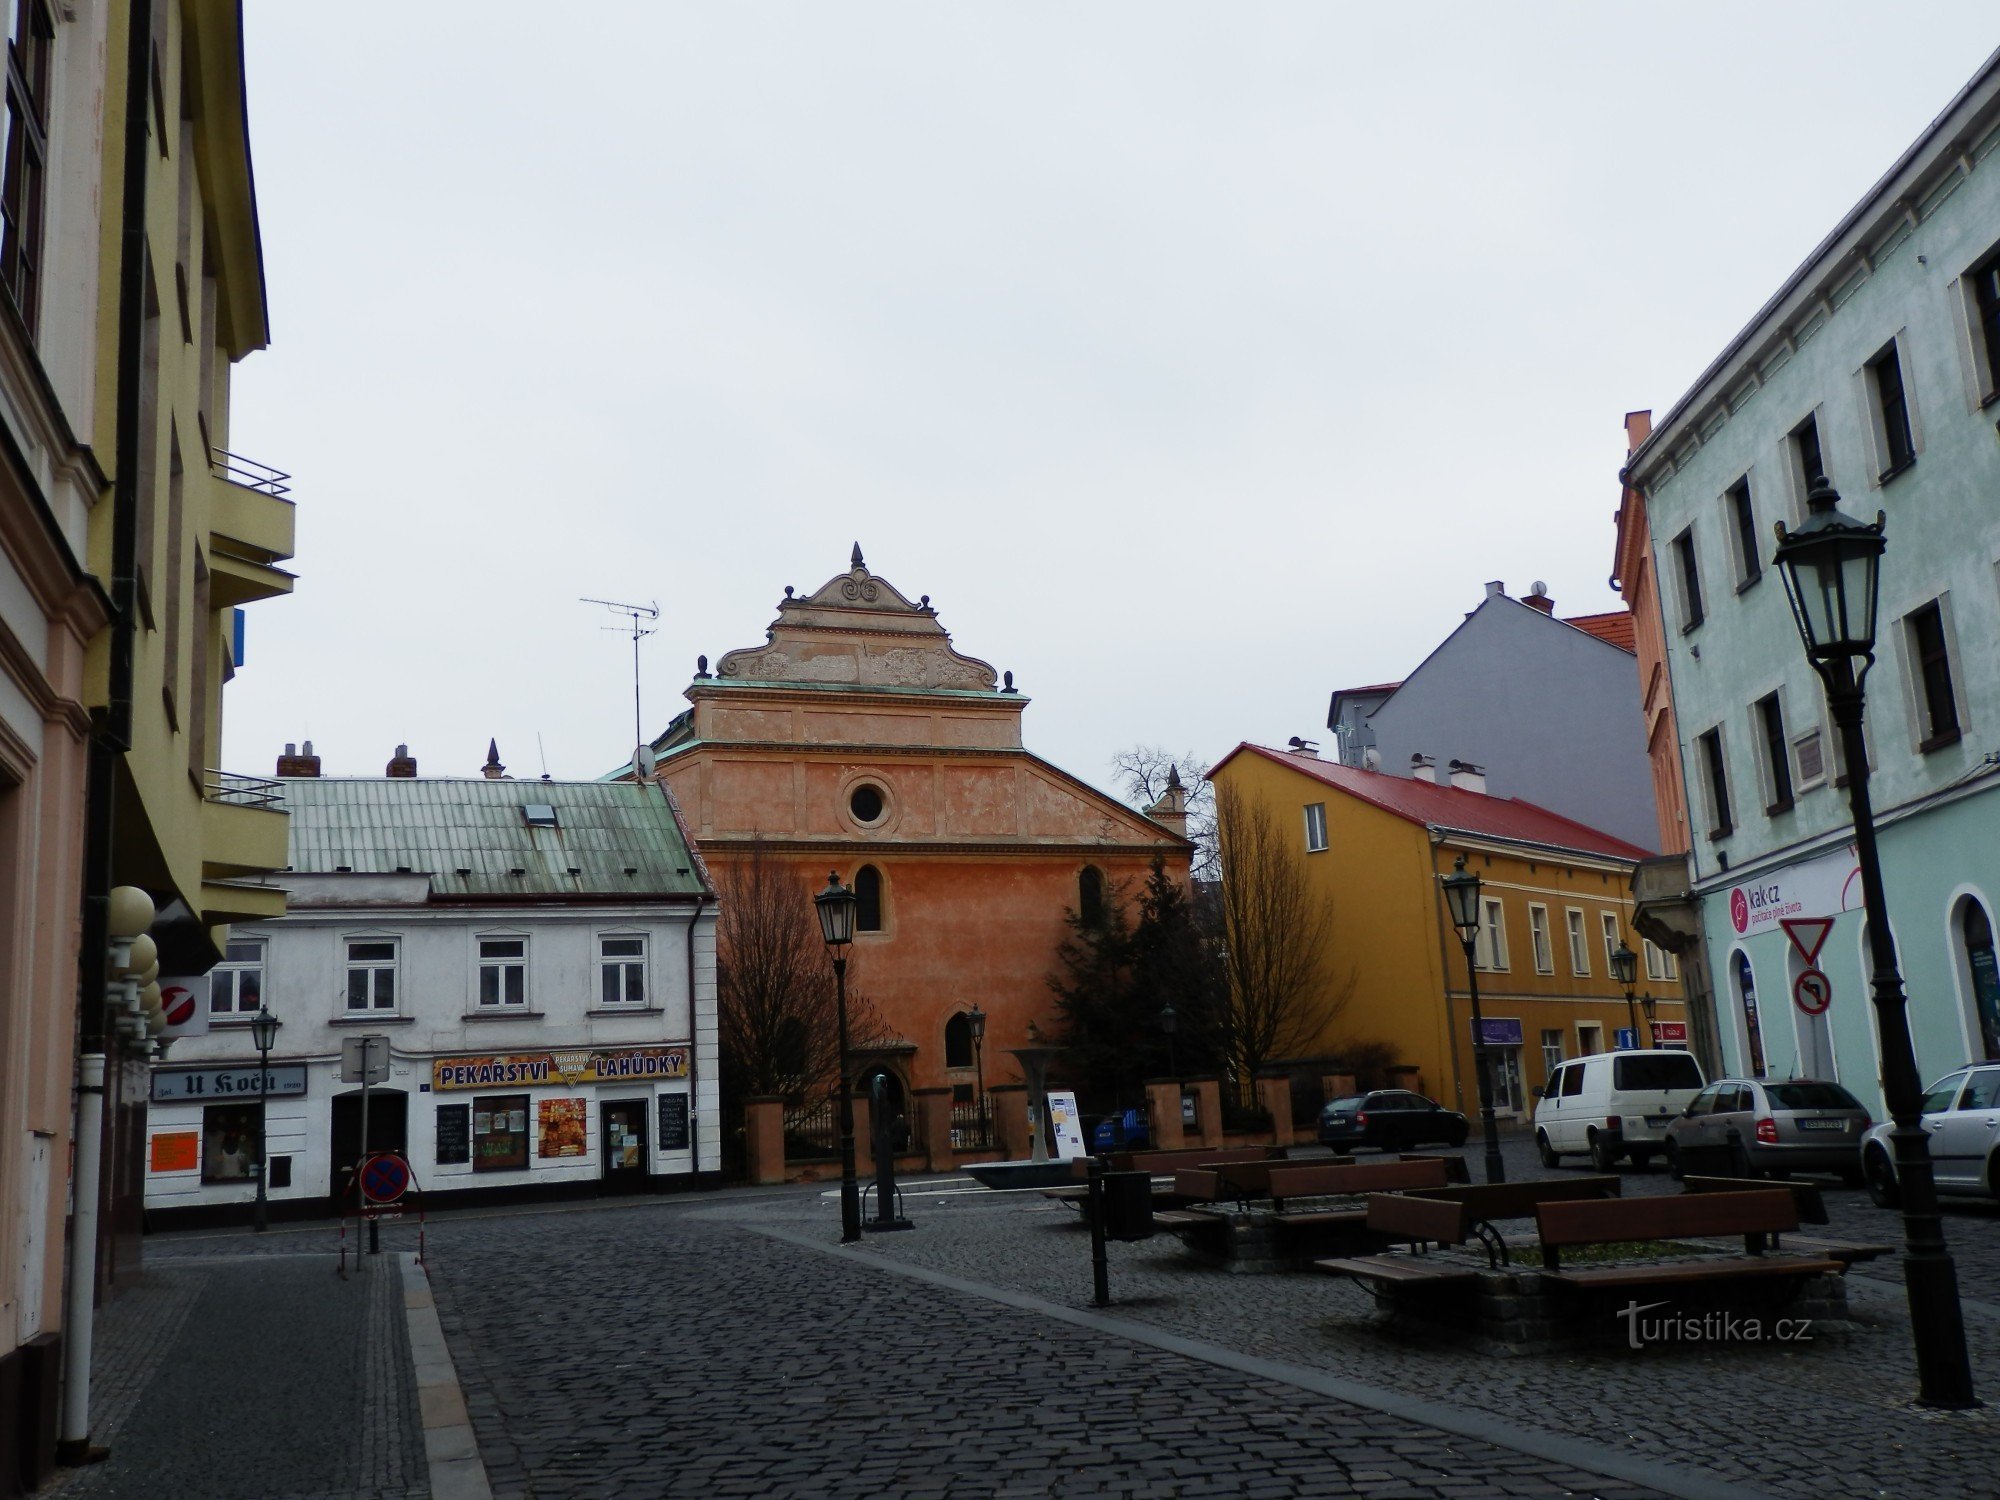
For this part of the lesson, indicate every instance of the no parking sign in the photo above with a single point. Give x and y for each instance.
(384, 1178)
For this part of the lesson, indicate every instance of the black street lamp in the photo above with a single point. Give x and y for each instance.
(835, 906)
(976, 1020)
(1831, 567)
(1625, 969)
(1461, 896)
(264, 1032)
(1170, 1023)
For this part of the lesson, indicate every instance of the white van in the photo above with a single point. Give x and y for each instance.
(1614, 1105)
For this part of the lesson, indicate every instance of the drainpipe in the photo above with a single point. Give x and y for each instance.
(111, 737)
(694, 1039)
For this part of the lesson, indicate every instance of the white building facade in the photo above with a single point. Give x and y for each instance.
(540, 960)
(1877, 367)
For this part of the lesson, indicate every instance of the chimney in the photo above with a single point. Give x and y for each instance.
(1424, 767)
(1496, 589)
(1538, 598)
(1308, 748)
(1467, 777)
(1170, 812)
(402, 763)
(292, 763)
(1638, 427)
(493, 770)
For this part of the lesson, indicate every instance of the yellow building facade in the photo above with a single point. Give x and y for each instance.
(1556, 899)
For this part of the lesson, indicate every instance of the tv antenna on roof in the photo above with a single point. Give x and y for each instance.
(635, 614)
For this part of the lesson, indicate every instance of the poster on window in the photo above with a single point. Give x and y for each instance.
(500, 1134)
(562, 1124)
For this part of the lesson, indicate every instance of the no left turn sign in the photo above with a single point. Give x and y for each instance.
(1812, 992)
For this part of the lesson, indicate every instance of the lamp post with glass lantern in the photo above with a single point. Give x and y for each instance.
(1625, 969)
(835, 906)
(264, 1032)
(1461, 896)
(1170, 1023)
(975, 1020)
(1831, 567)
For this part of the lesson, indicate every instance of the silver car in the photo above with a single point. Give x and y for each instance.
(1961, 1115)
(1749, 1126)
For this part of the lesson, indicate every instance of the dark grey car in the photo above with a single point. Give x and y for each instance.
(1748, 1127)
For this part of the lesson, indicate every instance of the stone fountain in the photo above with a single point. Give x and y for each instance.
(1036, 1170)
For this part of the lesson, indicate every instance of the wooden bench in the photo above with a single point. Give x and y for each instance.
(1757, 1216)
(1417, 1222)
(1812, 1210)
(1159, 1164)
(1348, 1179)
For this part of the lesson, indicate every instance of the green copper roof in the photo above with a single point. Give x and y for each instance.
(470, 836)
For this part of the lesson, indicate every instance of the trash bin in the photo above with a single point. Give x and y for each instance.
(1128, 1205)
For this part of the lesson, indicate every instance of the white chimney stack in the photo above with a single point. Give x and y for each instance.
(1467, 777)
(1424, 767)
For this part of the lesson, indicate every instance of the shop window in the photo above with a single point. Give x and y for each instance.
(958, 1041)
(228, 1143)
(1975, 931)
(236, 985)
(500, 1133)
(371, 974)
(503, 971)
(621, 969)
(1746, 994)
(867, 899)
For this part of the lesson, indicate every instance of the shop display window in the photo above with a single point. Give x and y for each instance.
(500, 1133)
(228, 1143)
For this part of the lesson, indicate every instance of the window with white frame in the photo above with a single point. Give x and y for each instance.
(1552, 1052)
(1659, 962)
(1315, 827)
(1538, 940)
(503, 971)
(1608, 921)
(371, 974)
(1579, 945)
(1490, 950)
(621, 968)
(236, 985)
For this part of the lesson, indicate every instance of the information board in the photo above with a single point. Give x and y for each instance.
(454, 1134)
(674, 1133)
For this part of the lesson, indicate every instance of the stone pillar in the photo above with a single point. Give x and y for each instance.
(764, 1139)
(1163, 1108)
(1010, 1119)
(1338, 1085)
(1274, 1093)
(934, 1129)
(1207, 1110)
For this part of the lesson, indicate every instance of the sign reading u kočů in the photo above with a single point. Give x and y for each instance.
(569, 1068)
(288, 1080)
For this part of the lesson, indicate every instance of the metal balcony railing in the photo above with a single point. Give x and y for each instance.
(247, 472)
(242, 791)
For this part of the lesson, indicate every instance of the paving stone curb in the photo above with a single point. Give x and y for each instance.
(450, 1449)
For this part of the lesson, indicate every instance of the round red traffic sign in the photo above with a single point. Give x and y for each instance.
(1812, 992)
(384, 1177)
(177, 1000)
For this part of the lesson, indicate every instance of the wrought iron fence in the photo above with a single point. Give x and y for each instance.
(812, 1130)
(247, 472)
(972, 1125)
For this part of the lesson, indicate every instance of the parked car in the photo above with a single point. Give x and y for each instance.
(1961, 1114)
(1125, 1131)
(1614, 1105)
(1750, 1126)
(1391, 1119)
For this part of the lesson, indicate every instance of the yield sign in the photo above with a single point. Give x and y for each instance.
(1808, 935)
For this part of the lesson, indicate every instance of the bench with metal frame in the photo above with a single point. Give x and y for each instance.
(1811, 1207)
(1475, 1208)
(1760, 1217)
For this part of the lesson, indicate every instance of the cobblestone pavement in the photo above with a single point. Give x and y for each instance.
(1829, 1419)
(664, 1350)
(239, 1376)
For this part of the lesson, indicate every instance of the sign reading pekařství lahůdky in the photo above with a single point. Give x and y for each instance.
(569, 1068)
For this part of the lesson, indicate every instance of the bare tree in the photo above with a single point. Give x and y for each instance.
(1142, 773)
(775, 989)
(1279, 998)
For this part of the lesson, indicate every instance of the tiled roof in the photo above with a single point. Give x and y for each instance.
(439, 826)
(1614, 627)
(1431, 803)
(1373, 687)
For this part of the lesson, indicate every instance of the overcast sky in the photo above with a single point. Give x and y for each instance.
(1195, 360)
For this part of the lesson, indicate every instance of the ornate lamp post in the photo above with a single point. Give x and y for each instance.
(975, 1019)
(1831, 567)
(1625, 969)
(1169, 1024)
(1461, 897)
(264, 1032)
(835, 906)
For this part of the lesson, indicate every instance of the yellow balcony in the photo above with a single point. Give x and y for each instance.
(226, 901)
(252, 527)
(243, 828)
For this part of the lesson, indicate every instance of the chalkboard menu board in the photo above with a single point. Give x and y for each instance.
(454, 1127)
(673, 1122)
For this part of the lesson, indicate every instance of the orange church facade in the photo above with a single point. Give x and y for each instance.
(857, 740)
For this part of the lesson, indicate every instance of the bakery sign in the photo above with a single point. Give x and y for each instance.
(1823, 887)
(571, 1067)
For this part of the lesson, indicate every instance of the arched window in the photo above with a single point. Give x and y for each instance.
(1090, 894)
(867, 899)
(958, 1041)
(1976, 933)
(1746, 993)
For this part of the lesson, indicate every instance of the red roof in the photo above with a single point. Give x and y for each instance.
(1614, 627)
(1447, 806)
(1373, 687)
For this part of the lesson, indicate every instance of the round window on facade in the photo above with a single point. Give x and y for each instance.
(866, 803)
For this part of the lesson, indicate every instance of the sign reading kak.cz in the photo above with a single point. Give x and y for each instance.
(1822, 887)
(572, 1067)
